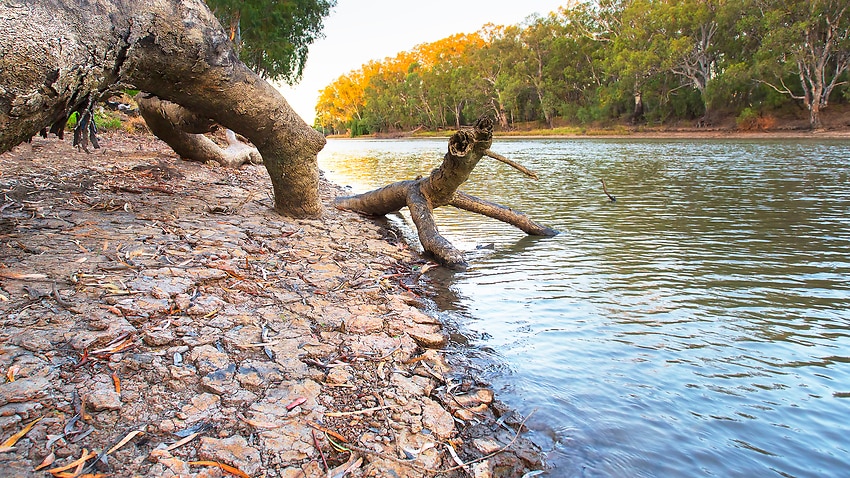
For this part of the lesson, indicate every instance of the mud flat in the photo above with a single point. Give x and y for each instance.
(157, 318)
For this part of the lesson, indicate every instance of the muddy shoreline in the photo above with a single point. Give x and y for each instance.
(159, 319)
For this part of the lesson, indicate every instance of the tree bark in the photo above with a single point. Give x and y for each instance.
(59, 56)
(183, 131)
(422, 196)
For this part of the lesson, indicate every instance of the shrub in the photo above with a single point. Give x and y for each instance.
(747, 119)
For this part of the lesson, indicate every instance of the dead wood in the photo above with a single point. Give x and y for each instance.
(421, 196)
(183, 131)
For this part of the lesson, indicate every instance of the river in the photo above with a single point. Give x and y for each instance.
(699, 325)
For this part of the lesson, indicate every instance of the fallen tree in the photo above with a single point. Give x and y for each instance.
(421, 196)
(58, 57)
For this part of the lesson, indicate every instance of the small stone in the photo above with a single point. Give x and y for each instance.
(473, 399)
(181, 372)
(233, 451)
(437, 419)
(201, 406)
(208, 359)
(156, 338)
(257, 373)
(238, 399)
(407, 386)
(431, 340)
(339, 375)
(483, 469)
(486, 445)
(176, 466)
(23, 390)
(364, 324)
(205, 305)
(220, 381)
(104, 399)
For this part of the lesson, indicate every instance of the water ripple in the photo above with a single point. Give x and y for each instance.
(696, 326)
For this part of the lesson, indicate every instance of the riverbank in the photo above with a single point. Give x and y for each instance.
(160, 319)
(637, 133)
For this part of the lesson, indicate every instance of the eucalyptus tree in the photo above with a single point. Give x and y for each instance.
(539, 63)
(694, 29)
(805, 49)
(493, 68)
(635, 52)
(271, 37)
(580, 65)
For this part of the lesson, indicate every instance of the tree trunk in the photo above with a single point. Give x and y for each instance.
(637, 114)
(422, 196)
(60, 56)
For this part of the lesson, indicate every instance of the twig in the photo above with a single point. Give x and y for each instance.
(531, 174)
(605, 190)
(59, 300)
(321, 453)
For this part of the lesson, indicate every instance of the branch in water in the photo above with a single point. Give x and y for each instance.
(531, 174)
(605, 190)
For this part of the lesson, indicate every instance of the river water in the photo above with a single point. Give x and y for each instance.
(697, 326)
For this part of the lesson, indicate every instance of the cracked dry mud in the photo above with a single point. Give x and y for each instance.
(159, 319)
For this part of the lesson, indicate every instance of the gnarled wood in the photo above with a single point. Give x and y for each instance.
(182, 130)
(422, 196)
(58, 56)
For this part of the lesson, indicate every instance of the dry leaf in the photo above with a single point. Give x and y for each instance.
(7, 274)
(327, 431)
(222, 466)
(182, 442)
(86, 456)
(10, 374)
(117, 382)
(47, 461)
(123, 442)
(10, 442)
(295, 403)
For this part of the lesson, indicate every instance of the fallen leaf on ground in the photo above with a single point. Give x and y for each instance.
(87, 455)
(10, 442)
(124, 441)
(47, 461)
(7, 274)
(230, 469)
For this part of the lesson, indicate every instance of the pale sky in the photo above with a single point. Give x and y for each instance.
(358, 31)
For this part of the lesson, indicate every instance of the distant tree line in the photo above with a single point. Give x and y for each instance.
(641, 61)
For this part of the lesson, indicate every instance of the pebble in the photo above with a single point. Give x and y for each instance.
(234, 451)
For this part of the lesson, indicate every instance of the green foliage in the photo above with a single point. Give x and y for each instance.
(273, 36)
(589, 64)
(747, 118)
(104, 120)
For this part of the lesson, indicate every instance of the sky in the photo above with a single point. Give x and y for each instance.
(358, 31)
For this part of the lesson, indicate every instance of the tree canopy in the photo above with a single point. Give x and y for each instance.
(642, 61)
(273, 36)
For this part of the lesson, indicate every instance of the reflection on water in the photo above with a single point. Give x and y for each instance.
(699, 325)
